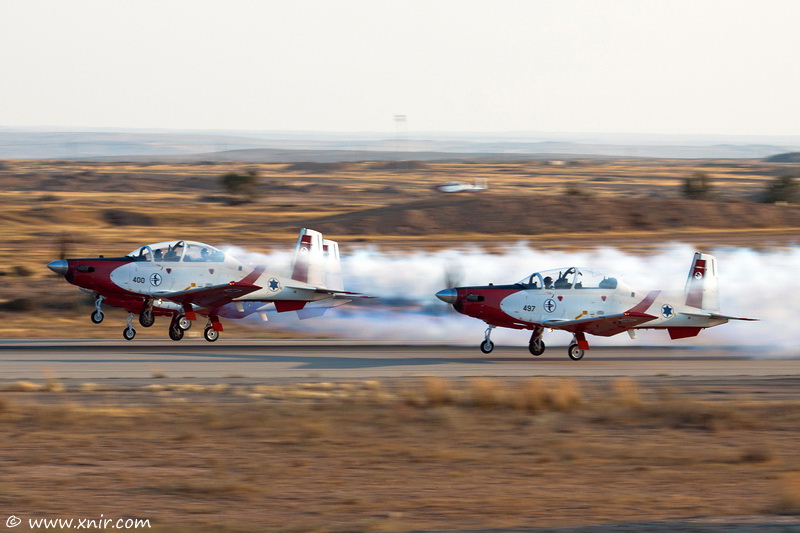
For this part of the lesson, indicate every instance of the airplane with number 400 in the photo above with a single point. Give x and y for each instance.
(184, 279)
(582, 301)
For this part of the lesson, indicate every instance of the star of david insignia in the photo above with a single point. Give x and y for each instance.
(274, 285)
(667, 311)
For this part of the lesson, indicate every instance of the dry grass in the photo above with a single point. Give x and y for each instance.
(787, 500)
(410, 455)
(626, 392)
(436, 391)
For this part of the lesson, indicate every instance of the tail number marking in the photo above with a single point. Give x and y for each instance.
(529, 308)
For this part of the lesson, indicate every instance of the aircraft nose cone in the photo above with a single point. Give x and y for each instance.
(448, 296)
(59, 266)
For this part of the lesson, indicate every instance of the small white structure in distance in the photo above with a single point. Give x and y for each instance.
(480, 184)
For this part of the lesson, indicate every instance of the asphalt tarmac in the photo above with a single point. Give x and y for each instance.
(309, 360)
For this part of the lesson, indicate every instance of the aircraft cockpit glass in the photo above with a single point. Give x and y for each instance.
(186, 251)
(201, 253)
(142, 254)
(534, 281)
(173, 252)
(589, 279)
(568, 278)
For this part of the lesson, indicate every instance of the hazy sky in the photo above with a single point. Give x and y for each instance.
(710, 67)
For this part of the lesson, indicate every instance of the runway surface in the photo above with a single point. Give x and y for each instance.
(289, 361)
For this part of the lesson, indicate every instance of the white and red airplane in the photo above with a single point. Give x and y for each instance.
(184, 279)
(582, 301)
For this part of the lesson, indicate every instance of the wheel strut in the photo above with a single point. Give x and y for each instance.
(487, 345)
(97, 315)
(129, 333)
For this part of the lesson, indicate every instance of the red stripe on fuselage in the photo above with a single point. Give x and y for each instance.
(642, 306)
(487, 309)
(98, 276)
(99, 281)
(253, 276)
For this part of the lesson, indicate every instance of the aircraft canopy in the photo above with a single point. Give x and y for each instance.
(174, 251)
(569, 278)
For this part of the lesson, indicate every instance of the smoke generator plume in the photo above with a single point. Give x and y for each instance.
(756, 284)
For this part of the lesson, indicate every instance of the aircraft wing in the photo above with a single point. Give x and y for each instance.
(332, 292)
(214, 296)
(604, 326)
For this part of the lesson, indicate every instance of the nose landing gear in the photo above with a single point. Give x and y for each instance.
(97, 314)
(487, 345)
(129, 333)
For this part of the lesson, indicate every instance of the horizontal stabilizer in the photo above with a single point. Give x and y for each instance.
(719, 316)
(334, 293)
(311, 312)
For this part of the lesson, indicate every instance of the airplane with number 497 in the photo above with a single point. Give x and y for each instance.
(184, 279)
(582, 301)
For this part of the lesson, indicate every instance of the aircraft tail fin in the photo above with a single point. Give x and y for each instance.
(702, 286)
(333, 266)
(316, 261)
(307, 264)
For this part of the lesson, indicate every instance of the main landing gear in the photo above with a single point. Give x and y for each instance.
(576, 347)
(146, 317)
(536, 345)
(213, 327)
(210, 333)
(178, 326)
(575, 352)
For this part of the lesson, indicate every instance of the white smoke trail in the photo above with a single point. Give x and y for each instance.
(761, 285)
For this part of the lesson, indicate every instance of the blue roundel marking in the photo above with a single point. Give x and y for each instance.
(155, 279)
(667, 311)
(550, 305)
(274, 285)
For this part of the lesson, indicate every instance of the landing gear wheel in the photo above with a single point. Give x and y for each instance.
(184, 323)
(487, 346)
(97, 316)
(146, 318)
(211, 334)
(574, 352)
(175, 333)
(129, 333)
(537, 347)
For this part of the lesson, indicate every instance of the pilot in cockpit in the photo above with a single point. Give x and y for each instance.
(548, 282)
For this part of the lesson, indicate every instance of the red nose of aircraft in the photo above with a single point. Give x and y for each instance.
(448, 295)
(59, 266)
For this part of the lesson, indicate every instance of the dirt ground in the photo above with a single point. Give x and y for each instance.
(401, 456)
(407, 456)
